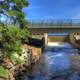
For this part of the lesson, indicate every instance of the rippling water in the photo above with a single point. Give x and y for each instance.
(55, 64)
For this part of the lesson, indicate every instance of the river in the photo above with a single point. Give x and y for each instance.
(54, 64)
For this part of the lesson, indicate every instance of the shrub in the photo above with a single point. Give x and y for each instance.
(3, 72)
(11, 38)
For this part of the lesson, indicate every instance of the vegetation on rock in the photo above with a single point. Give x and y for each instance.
(11, 38)
(12, 34)
(3, 72)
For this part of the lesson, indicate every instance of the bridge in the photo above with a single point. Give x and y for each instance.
(53, 26)
(44, 27)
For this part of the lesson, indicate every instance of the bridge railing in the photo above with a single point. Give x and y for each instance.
(52, 23)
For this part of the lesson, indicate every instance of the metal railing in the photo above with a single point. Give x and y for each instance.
(54, 23)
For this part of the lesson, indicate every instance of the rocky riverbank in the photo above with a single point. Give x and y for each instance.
(30, 55)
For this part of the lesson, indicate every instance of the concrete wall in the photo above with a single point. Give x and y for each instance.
(57, 38)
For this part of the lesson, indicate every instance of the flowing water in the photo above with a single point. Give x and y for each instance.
(54, 64)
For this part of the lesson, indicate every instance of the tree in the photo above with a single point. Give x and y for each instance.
(13, 9)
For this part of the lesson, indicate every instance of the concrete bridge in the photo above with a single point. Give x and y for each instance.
(54, 26)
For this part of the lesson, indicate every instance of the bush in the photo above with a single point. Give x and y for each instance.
(3, 72)
(15, 58)
(11, 39)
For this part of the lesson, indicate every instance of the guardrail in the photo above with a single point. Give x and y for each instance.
(54, 23)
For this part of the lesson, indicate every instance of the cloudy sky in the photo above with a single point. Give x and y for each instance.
(53, 9)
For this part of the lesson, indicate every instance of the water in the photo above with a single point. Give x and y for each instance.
(55, 64)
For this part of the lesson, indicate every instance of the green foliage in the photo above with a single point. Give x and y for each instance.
(14, 10)
(3, 72)
(11, 38)
(15, 58)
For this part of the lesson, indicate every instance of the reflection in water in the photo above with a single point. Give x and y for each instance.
(55, 64)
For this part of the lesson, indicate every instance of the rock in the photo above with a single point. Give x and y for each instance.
(75, 62)
(7, 63)
(2, 79)
(36, 53)
(26, 55)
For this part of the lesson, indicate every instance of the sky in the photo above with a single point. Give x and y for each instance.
(52, 9)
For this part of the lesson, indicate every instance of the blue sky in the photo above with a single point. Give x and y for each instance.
(52, 9)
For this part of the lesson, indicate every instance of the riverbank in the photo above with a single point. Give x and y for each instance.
(30, 55)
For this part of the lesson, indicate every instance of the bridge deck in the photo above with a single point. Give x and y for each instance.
(47, 26)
